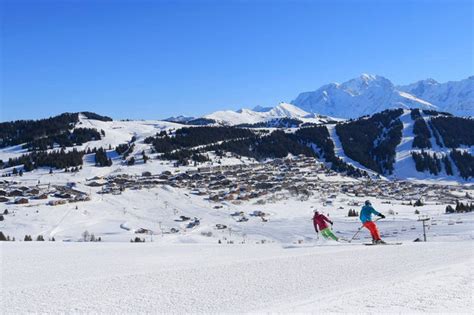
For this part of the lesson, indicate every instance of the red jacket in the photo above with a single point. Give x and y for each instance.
(320, 221)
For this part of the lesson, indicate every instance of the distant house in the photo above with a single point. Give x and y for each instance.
(33, 191)
(57, 202)
(15, 193)
(21, 201)
(95, 184)
(62, 195)
(42, 196)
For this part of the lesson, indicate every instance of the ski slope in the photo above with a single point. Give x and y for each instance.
(404, 166)
(111, 278)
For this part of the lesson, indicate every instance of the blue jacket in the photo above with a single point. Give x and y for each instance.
(366, 213)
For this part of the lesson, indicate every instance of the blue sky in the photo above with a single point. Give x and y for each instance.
(154, 59)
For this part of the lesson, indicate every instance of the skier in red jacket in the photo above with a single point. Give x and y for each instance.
(321, 221)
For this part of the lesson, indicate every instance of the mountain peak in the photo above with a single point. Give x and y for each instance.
(363, 95)
(261, 114)
(431, 81)
(367, 94)
(288, 110)
(261, 109)
(368, 77)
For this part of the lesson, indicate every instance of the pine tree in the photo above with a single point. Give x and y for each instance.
(449, 209)
(145, 157)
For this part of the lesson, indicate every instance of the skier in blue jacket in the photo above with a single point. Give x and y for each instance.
(366, 218)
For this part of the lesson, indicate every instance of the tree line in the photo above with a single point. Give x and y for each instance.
(372, 141)
(26, 131)
(56, 159)
(422, 134)
(455, 131)
(465, 163)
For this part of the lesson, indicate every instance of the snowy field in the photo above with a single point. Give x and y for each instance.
(269, 263)
(112, 278)
(288, 219)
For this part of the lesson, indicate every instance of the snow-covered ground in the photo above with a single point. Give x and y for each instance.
(224, 264)
(274, 266)
(288, 218)
(112, 278)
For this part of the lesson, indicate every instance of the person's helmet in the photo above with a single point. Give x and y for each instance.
(316, 211)
(367, 203)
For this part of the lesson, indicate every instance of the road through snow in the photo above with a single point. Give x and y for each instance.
(183, 278)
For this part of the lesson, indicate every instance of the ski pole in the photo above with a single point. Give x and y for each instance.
(359, 229)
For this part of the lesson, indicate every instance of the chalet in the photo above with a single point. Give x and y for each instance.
(82, 198)
(34, 191)
(62, 195)
(21, 201)
(15, 193)
(57, 202)
(96, 184)
(214, 198)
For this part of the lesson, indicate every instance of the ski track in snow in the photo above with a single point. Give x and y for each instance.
(151, 278)
(404, 164)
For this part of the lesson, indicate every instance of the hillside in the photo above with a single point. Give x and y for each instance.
(394, 143)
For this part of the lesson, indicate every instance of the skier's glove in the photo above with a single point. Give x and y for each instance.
(382, 216)
(331, 223)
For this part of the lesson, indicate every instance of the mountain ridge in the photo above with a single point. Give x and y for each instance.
(368, 94)
(361, 96)
(397, 143)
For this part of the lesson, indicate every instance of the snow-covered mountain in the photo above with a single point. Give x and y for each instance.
(368, 94)
(179, 119)
(264, 114)
(456, 97)
(364, 95)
